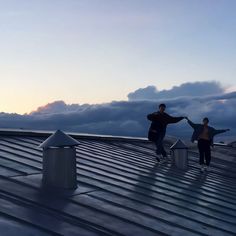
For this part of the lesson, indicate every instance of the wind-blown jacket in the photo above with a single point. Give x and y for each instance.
(160, 122)
(198, 129)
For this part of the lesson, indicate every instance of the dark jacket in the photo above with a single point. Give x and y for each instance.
(198, 129)
(160, 122)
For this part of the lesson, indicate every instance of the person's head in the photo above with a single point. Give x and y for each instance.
(162, 107)
(205, 121)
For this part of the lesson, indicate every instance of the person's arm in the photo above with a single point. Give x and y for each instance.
(193, 125)
(153, 117)
(172, 119)
(220, 131)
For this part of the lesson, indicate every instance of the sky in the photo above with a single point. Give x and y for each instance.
(129, 118)
(96, 51)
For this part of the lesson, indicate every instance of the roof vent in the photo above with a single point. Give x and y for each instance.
(179, 153)
(59, 161)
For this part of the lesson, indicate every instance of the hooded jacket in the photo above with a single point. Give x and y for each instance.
(161, 120)
(198, 129)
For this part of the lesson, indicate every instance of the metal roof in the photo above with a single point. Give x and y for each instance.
(122, 191)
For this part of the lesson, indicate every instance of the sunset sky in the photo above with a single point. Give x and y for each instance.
(94, 51)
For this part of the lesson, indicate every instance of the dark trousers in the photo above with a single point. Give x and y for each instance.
(159, 145)
(204, 147)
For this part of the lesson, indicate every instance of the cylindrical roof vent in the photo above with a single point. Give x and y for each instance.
(59, 161)
(179, 153)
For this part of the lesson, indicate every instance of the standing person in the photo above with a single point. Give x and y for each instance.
(204, 135)
(157, 130)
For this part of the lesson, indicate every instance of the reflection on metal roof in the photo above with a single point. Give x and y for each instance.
(121, 191)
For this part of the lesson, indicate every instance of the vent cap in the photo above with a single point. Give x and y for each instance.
(59, 139)
(178, 145)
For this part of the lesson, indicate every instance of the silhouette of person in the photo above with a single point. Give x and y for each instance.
(204, 135)
(157, 130)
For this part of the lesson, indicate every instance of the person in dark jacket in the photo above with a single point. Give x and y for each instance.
(204, 135)
(157, 130)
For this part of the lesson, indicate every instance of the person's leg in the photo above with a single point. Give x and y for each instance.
(201, 152)
(160, 150)
(163, 151)
(158, 147)
(204, 148)
(208, 153)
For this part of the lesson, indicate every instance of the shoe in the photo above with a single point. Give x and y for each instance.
(164, 158)
(202, 168)
(158, 158)
(207, 168)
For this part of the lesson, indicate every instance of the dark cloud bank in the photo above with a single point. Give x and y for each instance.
(128, 118)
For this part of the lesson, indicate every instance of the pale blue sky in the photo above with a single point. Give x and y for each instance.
(93, 51)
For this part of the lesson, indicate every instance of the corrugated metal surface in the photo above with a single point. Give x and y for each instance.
(122, 191)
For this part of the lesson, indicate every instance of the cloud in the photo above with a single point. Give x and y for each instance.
(116, 118)
(187, 89)
(58, 107)
(128, 118)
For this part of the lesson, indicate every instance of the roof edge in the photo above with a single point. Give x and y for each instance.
(44, 133)
(47, 133)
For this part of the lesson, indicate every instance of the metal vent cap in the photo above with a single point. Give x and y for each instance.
(59, 139)
(178, 145)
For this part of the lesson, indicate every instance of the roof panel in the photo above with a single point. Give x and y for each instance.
(122, 191)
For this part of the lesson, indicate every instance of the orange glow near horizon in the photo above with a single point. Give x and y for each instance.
(29, 106)
(24, 103)
(82, 52)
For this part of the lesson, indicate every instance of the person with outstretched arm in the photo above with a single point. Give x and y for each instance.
(204, 135)
(157, 130)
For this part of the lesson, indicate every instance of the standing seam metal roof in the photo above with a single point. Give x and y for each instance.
(122, 191)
